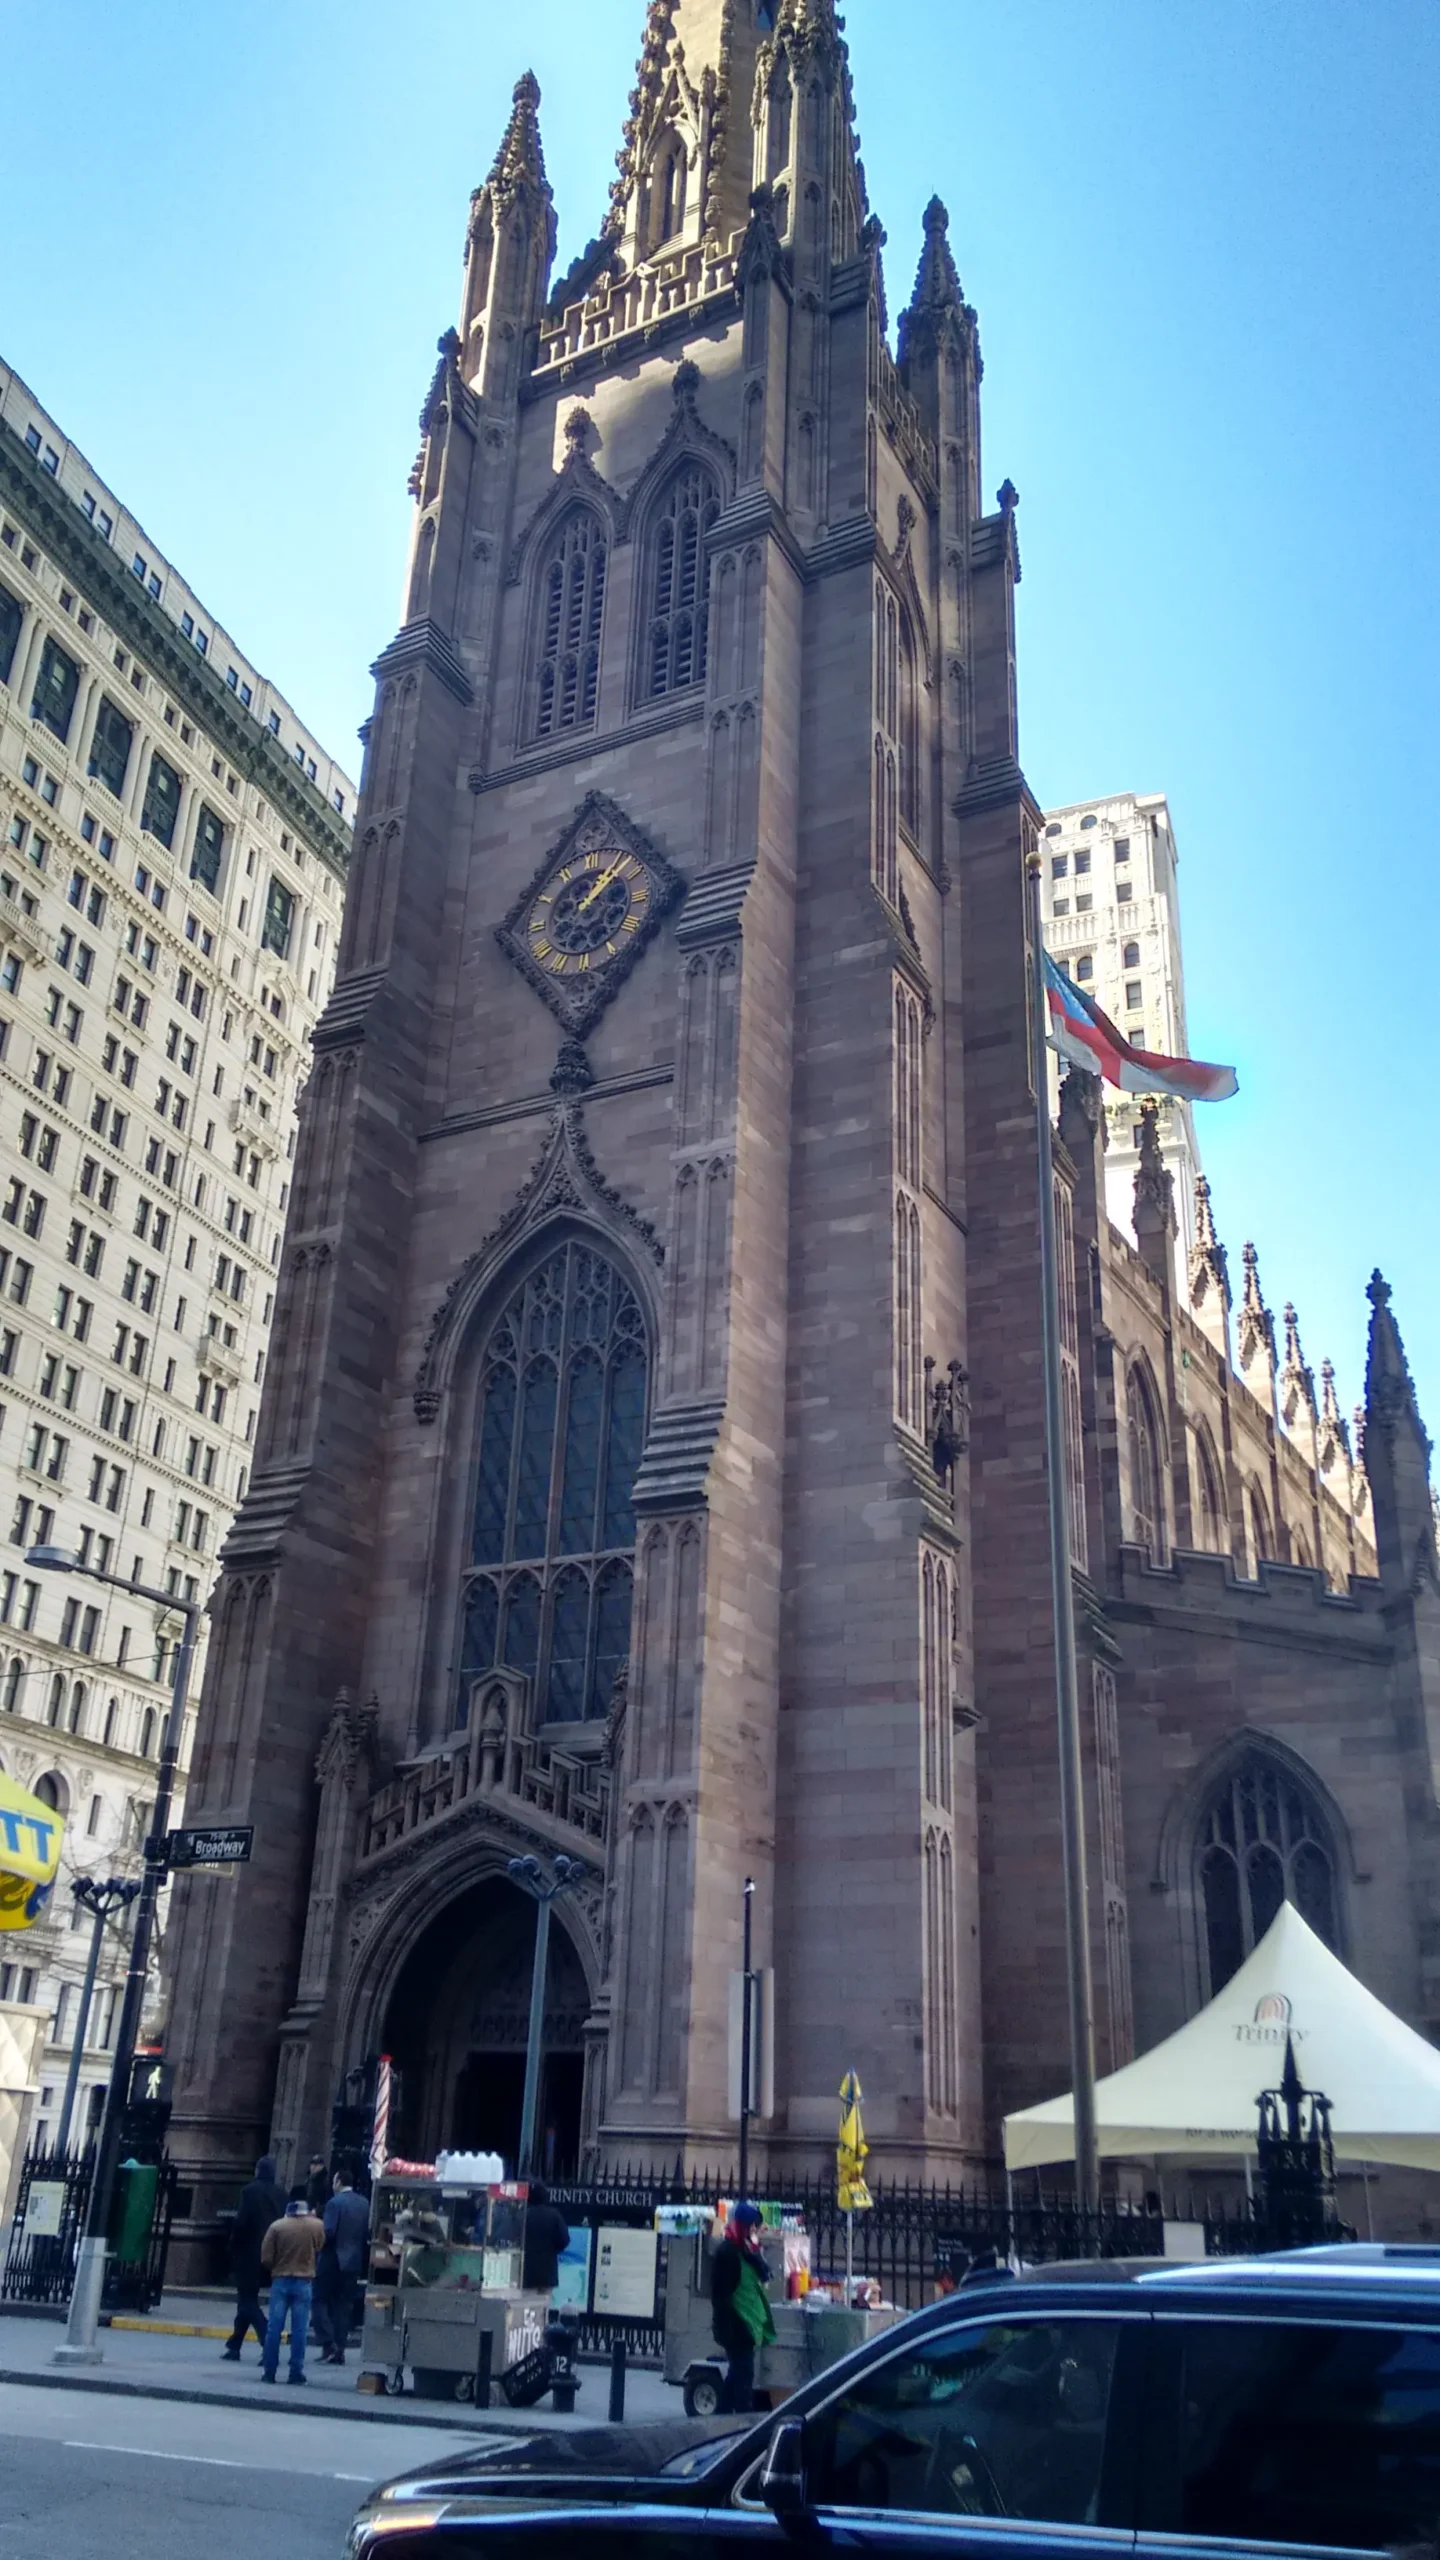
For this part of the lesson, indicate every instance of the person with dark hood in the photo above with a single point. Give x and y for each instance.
(740, 2316)
(546, 2233)
(317, 2183)
(261, 2203)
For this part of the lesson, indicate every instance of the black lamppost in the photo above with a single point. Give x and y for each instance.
(532, 1879)
(115, 1893)
(83, 2320)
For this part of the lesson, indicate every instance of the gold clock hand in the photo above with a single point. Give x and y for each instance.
(602, 883)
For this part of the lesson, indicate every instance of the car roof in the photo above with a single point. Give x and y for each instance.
(1406, 2274)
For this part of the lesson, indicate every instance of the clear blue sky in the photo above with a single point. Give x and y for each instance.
(1202, 237)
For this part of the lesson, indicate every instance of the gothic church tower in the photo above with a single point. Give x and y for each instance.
(612, 1492)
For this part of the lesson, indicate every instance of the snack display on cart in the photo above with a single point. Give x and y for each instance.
(445, 2303)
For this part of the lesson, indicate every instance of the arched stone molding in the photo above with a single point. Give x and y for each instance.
(563, 1188)
(686, 437)
(1178, 1842)
(576, 483)
(390, 1912)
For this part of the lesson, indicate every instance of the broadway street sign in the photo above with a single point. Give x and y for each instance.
(226, 1847)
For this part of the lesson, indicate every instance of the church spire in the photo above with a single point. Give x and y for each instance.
(1255, 1336)
(1209, 1273)
(1154, 1200)
(1397, 1454)
(508, 250)
(520, 161)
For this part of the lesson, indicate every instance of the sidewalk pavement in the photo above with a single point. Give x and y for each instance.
(174, 2356)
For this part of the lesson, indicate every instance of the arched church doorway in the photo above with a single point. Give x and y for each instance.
(456, 2029)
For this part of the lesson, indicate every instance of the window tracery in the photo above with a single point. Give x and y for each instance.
(678, 583)
(552, 1531)
(1262, 1840)
(571, 605)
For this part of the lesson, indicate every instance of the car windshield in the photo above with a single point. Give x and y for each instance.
(698, 2458)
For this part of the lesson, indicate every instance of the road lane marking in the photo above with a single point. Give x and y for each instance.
(215, 2461)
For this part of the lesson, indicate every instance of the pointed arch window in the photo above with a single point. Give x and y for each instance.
(566, 675)
(678, 582)
(1262, 1542)
(548, 1585)
(1262, 1840)
(1208, 1505)
(1147, 1501)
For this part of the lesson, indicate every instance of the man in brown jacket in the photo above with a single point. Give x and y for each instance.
(288, 2253)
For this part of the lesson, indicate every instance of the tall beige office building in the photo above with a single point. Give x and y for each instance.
(1111, 904)
(173, 849)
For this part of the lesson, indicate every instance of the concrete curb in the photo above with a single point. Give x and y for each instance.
(163, 2328)
(275, 2402)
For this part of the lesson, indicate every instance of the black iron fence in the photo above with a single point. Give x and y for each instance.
(50, 2205)
(914, 2233)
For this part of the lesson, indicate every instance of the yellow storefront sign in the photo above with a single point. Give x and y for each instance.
(30, 1834)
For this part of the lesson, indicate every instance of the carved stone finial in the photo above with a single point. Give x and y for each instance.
(1209, 1264)
(687, 380)
(1007, 497)
(572, 1071)
(577, 430)
(520, 160)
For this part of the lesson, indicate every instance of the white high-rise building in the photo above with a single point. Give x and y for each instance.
(173, 851)
(1111, 905)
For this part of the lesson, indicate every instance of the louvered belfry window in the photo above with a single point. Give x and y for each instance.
(679, 583)
(552, 1529)
(572, 604)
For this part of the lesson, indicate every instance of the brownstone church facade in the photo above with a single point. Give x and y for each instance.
(651, 1465)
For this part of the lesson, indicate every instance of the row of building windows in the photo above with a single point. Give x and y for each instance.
(150, 579)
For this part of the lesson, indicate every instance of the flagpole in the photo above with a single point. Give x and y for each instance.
(1067, 1696)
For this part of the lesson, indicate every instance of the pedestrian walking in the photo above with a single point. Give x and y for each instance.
(288, 2252)
(546, 2233)
(740, 2315)
(261, 2203)
(342, 2266)
(317, 2183)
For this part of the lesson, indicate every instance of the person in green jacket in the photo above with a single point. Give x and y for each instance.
(740, 2317)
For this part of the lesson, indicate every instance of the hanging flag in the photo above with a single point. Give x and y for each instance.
(1086, 1037)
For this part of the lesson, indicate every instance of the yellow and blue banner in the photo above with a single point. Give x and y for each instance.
(30, 1836)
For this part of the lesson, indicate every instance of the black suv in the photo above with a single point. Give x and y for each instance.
(1283, 2403)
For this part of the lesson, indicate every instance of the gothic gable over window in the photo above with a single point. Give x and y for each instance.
(561, 1421)
(677, 582)
(570, 606)
(1262, 1839)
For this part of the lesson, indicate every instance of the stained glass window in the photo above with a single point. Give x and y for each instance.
(552, 1527)
(1262, 1841)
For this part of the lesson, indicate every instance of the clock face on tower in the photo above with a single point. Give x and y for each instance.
(596, 901)
(588, 906)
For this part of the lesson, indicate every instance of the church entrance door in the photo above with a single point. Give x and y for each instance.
(456, 2028)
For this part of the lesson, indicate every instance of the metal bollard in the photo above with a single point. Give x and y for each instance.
(617, 2383)
(482, 2370)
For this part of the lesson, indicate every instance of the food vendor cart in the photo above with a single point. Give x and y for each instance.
(444, 2300)
(814, 2326)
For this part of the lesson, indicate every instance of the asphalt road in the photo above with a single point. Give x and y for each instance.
(90, 2477)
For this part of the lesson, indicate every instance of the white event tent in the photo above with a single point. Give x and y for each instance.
(1196, 2093)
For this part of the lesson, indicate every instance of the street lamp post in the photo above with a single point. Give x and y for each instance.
(532, 1879)
(116, 1893)
(83, 2320)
